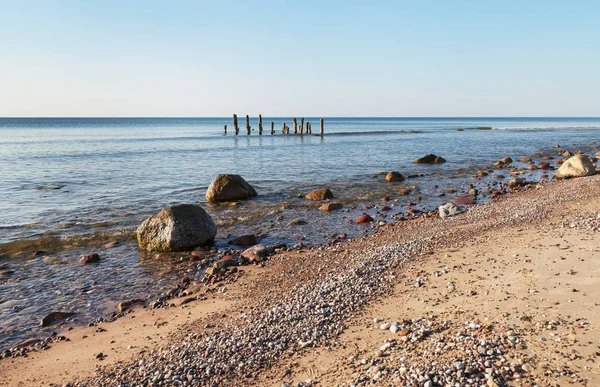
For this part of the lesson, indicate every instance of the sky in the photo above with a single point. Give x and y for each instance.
(299, 58)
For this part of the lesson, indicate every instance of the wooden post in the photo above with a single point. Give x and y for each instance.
(247, 125)
(283, 128)
(225, 129)
(260, 124)
(302, 125)
(295, 125)
(322, 126)
(236, 128)
(272, 128)
(308, 130)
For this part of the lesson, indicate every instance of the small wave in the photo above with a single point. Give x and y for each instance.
(371, 132)
(593, 127)
(26, 248)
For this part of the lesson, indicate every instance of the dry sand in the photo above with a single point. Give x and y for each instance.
(538, 279)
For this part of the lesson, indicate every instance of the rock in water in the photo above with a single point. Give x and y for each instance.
(55, 317)
(394, 176)
(225, 188)
(576, 166)
(516, 182)
(450, 209)
(178, 228)
(331, 206)
(320, 194)
(430, 159)
(364, 219)
(244, 240)
(126, 305)
(90, 258)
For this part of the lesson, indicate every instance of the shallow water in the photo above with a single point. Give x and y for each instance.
(69, 185)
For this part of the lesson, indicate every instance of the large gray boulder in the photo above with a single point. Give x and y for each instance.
(226, 188)
(178, 228)
(576, 166)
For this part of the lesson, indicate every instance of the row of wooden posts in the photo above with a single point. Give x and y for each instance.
(284, 129)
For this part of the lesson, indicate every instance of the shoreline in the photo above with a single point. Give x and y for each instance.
(272, 284)
(488, 181)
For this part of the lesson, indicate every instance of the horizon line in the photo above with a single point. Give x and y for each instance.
(289, 116)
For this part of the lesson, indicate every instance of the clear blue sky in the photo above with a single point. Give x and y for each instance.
(301, 58)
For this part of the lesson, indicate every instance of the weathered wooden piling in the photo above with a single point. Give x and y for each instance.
(322, 127)
(260, 125)
(308, 129)
(248, 129)
(225, 129)
(283, 128)
(272, 128)
(295, 125)
(302, 125)
(236, 128)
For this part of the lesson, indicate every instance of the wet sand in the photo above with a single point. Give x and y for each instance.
(512, 265)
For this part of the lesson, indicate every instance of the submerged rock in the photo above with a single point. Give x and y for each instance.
(450, 209)
(331, 206)
(225, 188)
(576, 166)
(244, 240)
(394, 176)
(430, 159)
(90, 258)
(125, 305)
(178, 228)
(320, 194)
(297, 222)
(55, 317)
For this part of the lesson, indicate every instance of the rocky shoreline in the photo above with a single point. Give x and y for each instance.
(322, 327)
(316, 308)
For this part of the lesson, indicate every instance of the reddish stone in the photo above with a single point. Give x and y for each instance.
(482, 174)
(559, 162)
(364, 219)
(463, 200)
(495, 195)
(385, 199)
(532, 167)
(545, 166)
(244, 240)
(386, 208)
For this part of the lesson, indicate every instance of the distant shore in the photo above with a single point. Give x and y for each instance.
(529, 254)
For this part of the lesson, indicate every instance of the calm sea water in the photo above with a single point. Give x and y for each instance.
(69, 185)
(112, 172)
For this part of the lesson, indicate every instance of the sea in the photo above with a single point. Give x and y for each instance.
(69, 186)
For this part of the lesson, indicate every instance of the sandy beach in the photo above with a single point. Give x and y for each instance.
(505, 294)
